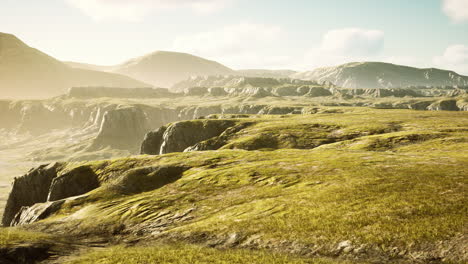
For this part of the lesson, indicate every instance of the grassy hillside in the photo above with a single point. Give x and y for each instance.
(390, 186)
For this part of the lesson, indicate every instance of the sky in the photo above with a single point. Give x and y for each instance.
(271, 34)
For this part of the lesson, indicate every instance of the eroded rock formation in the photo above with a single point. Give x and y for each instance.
(29, 189)
(179, 136)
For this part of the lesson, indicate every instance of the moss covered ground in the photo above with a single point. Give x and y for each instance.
(356, 185)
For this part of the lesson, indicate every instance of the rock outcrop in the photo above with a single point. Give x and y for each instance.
(78, 181)
(152, 142)
(122, 128)
(181, 135)
(29, 189)
(36, 212)
(41, 192)
(444, 105)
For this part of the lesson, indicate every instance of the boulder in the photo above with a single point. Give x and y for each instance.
(152, 142)
(78, 181)
(30, 189)
(182, 135)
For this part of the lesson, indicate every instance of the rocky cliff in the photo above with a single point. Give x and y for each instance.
(29, 189)
(179, 136)
(41, 191)
(122, 128)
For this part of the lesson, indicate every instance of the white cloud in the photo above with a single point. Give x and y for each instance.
(457, 10)
(346, 45)
(134, 10)
(244, 45)
(353, 42)
(454, 58)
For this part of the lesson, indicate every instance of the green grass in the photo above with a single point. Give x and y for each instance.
(13, 236)
(387, 181)
(186, 254)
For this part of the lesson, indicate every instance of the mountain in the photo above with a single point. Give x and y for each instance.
(87, 66)
(266, 73)
(164, 68)
(26, 72)
(380, 74)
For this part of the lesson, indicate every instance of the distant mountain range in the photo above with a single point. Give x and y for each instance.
(382, 75)
(26, 72)
(163, 68)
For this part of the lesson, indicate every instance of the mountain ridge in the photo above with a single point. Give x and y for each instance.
(382, 75)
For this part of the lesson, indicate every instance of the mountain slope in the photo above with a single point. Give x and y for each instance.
(26, 72)
(266, 73)
(379, 74)
(164, 69)
(87, 66)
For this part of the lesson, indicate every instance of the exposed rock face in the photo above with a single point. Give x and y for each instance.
(420, 105)
(152, 143)
(122, 129)
(29, 189)
(215, 143)
(76, 182)
(36, 212)
(444, 105)
(181, 135)
(39, 193)
(92, 92)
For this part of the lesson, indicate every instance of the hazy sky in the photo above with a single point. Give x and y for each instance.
(297, 34)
